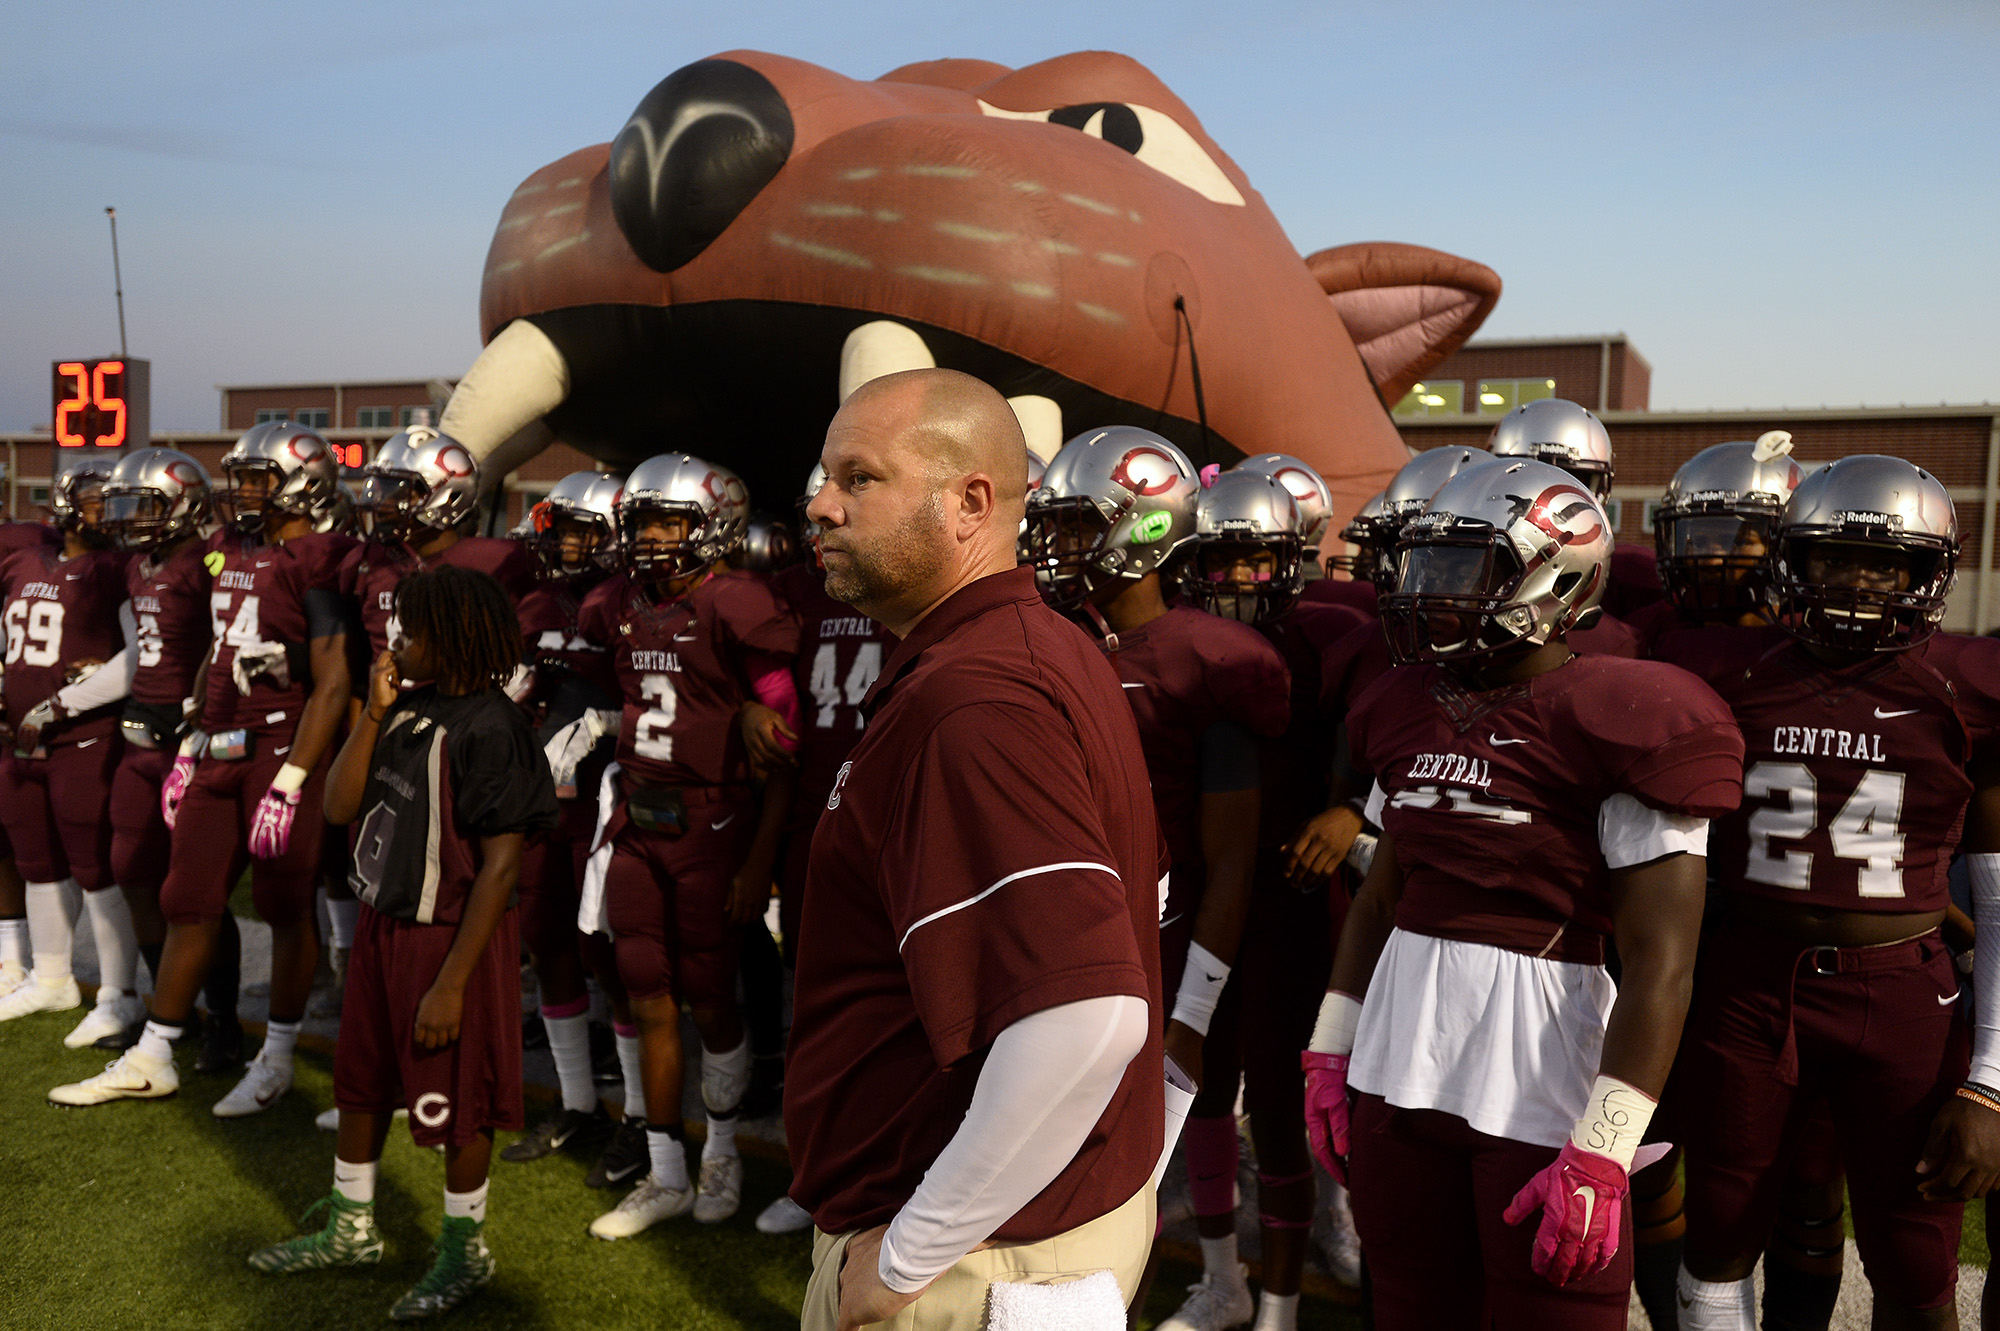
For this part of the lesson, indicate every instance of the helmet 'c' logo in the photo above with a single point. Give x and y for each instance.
(454, 461)
(833, 799)
(184, 472)
(1567, 514)
(431, 1109)
(1146, 471)
(1300, 485)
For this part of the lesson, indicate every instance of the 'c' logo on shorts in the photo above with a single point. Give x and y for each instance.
(833, 799)
(431, 1109)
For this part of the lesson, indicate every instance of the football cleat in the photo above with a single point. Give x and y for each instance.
(784, 1216)
(720, 1192)
(221, 1046)
(260, 1088)
(559, 1132)
(109, 1020)
(349, 1238)
(1343, 1245)
(1213, 1305)
(39, 995)
(130, 1076)
(461, 1266)
(642, 1208)
(625, 1156)
(12, 976)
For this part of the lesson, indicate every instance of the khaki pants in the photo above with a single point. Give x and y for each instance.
(956, 1301)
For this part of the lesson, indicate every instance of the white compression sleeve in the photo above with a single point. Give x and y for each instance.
(1985, 874)
(1046, 1082)
(110, 681)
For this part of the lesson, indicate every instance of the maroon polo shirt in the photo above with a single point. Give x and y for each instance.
(989, 851)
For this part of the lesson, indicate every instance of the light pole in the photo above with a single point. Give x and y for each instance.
(117, 280)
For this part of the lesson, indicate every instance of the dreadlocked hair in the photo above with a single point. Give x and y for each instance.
(469, 623)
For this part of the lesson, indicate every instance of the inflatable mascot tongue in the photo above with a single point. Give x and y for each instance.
(765, 235)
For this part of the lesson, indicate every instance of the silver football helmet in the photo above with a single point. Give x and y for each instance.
(767, 544)
(1249, 557)
(419, 480)
(343, 515)
(154, 497)
(1114, 505)
(710, 501)
(575, 526)
(76, 501)
(1510, 553)
(808, 529)
(1308, 490)
(1562, 433)
(1409, 490)
(277, 467)
(1360, 534)
(1867, 551)
(1715, 527)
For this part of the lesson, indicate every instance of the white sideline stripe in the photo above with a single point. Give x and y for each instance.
(976, 898)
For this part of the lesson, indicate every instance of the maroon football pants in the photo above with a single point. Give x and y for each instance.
(668, 899)
(1873, 1033)
(57, 811)
(1429, 1193)
(211, 843)
(140, 842)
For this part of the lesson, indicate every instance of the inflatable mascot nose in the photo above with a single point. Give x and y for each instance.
(694, 154)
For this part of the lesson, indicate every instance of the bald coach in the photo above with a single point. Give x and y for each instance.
(974, 1088)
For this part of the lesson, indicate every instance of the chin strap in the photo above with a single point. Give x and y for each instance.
(1103, 626)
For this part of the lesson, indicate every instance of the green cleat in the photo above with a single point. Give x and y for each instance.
(349, 1239)
(462, 1268)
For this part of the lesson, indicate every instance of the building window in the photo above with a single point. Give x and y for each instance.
(1652, 512)
(1497, 397)
(38, 495)
(1433, 397)
(415, 416)
(265, 415)
(1614, 512)
(375, 418)
(313, 418)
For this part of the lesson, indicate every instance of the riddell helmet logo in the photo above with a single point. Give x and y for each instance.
(1146, 471)
(1866, 518)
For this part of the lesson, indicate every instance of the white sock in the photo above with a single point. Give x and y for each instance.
(467, 1205)
(628, 1067)
(156, 1041)
(721, 1137)
(569, 1045)
(1277, 1312)
(279, 1039)
(117, 945)
(356, 1182)
(52, 912)
(1717, 1305)
(340, 918)
(1218, 1258)
(670, 1160)
(14, 942)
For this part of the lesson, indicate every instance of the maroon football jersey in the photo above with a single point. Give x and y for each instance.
(259, 599)
(1298, 767)
(1492, 797)
(840, 656)
(369, 574)
(1182, 673)
(1357, 594)
(682, 670)
(170, 607)
(59, 612)
(1609, 636)
(1854, 784)
(27, 536)
(1634, 581)
(549, 615)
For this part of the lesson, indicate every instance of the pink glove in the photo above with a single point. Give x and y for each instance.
(271, 825)
(1327, 1110)
(174, 789)
(1582, 1199)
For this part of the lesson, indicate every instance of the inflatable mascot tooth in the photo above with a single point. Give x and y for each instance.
(764, 235)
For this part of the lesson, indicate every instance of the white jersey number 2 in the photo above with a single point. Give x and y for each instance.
(1864, 829)
(653, 737)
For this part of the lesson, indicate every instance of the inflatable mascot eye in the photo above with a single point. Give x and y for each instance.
(1154, 137)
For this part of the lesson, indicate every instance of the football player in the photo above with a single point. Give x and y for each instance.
(574, 536)
(269, 702)
(66, 624)
(1533, 803)
(1869, 737)
(690, 857)
(15, 958)
(1356, 590)
(432, 1024)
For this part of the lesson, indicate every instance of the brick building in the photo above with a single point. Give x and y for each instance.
(1492, 377)
(369, 404)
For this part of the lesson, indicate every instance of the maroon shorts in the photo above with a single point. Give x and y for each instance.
(57, 811)
(140, 842)
(668, 898)
(211, 843)
(1429, 1194)
(453, 1093)
(1873, 1034)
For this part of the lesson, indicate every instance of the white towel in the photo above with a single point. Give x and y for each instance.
(1094, 1303)
(592, 915)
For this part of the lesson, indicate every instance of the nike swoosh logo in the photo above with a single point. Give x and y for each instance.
(262, 563)
(1947, 1002)
(279, 753)
(1686, 1302)
(267, 1099)
(717, 827)
(86, 743)
(1497, 742)
(1211, 978)
(1881, 715)
(684, 637)
(1131, 686)
(1589, 1205)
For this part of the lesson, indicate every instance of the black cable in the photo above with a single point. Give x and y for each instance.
(1194, 370)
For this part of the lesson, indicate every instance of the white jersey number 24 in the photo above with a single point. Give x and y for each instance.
(1864, 829)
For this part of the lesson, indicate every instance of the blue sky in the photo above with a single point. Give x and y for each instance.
(1782, 204)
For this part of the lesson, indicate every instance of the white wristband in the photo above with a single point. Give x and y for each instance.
(195, 745)
(291, 778)
(1202, 980)
(1984, 870)
(1339, 1018)
(1615, 1121)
